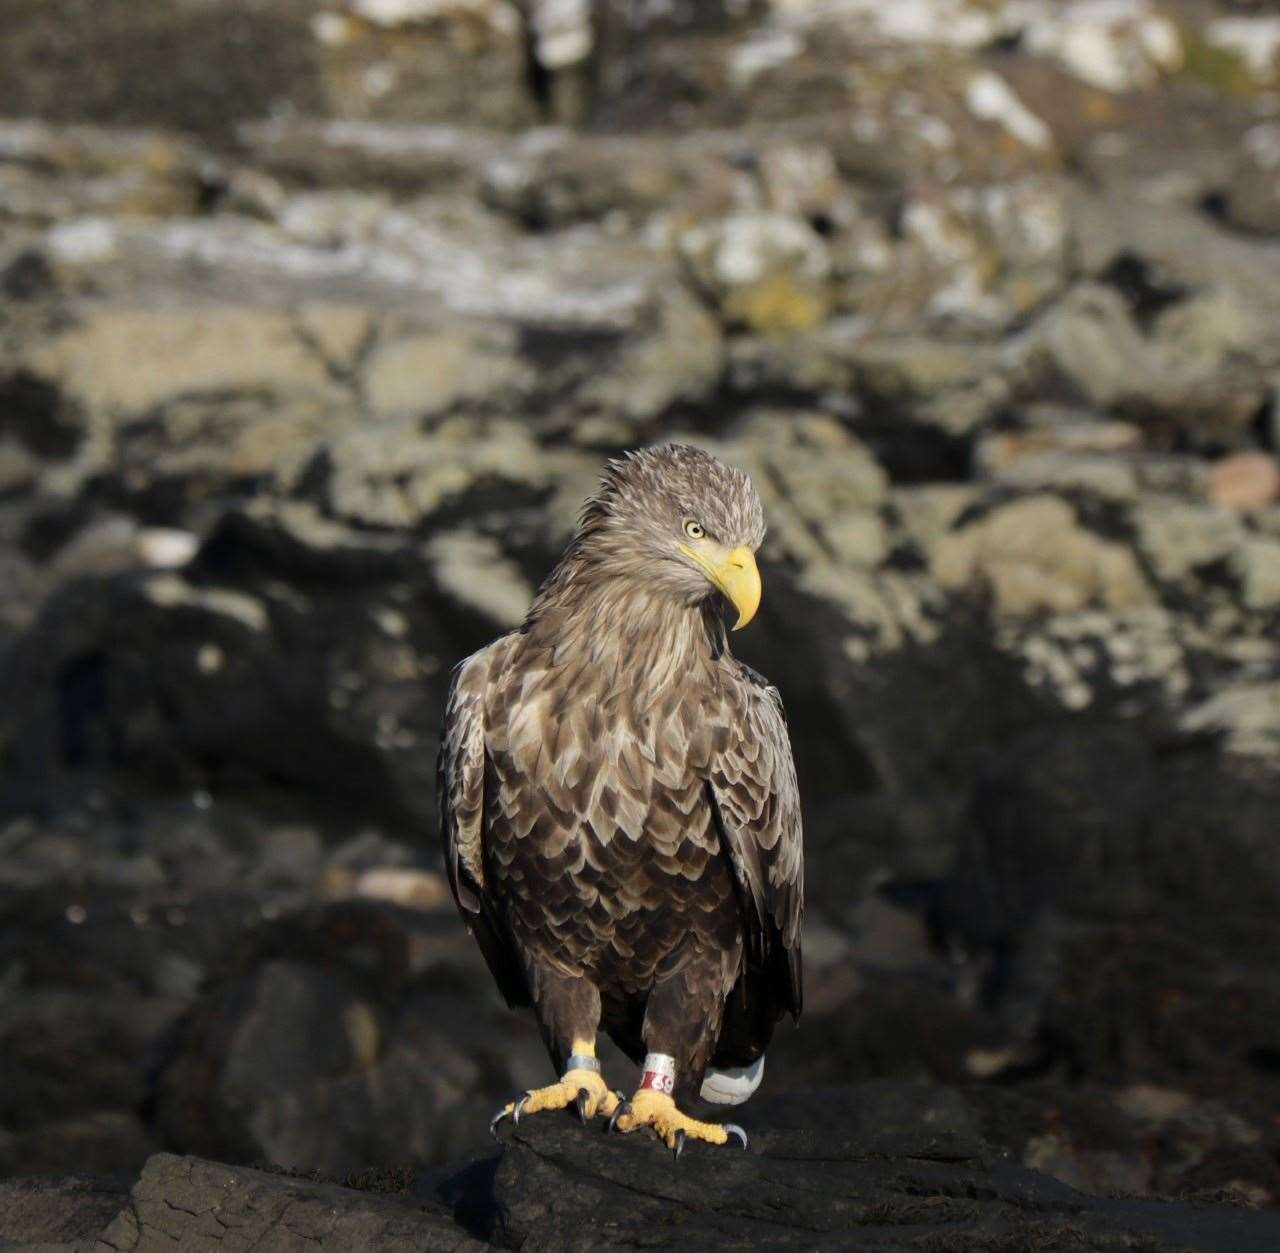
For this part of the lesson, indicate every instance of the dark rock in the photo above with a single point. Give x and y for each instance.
(27, 276)
(200, 70)
(184, 1202)
(1253, 199)
(876, 1166)
(848, 1168)
(344, 1036)
(881, 1166)
(51, 1213)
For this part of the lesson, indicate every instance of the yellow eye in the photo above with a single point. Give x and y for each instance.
(694, 529)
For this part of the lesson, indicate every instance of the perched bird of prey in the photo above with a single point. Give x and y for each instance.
(618, 803)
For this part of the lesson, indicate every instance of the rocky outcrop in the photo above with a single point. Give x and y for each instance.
(883, 1166)
(304, 374)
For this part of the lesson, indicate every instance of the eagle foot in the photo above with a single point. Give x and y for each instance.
(583, 1090)
(658, 1111)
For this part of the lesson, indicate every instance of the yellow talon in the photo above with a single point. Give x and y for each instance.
(658, 1110)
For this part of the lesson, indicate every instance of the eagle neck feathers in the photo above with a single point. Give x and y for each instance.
(597, 607)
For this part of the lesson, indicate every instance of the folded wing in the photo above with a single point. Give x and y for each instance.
(460, 793)
(757, 802)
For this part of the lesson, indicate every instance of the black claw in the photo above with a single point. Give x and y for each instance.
(622, 1107)
(679, 1144)
(497, 1118)
(519, 1109)
(583, 1097)
(733, 1129)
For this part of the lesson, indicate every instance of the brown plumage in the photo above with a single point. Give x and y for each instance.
(618, 801)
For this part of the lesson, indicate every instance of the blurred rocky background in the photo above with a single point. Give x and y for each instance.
(316, 322)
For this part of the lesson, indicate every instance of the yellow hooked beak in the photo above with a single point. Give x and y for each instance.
(736, 575)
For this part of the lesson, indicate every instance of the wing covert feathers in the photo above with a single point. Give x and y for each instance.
(460, 790)
(460, 782)
(757, 804)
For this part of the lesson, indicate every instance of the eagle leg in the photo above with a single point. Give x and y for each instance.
(658, 1111)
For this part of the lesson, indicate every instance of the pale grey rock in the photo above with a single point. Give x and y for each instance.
(1257, 563)
(472, 569)
(887, 610)
(1186, 248)
(964, 411)
(1073, 654)
(1121, 46)
(928, 512)
(680, 357)
(1056, 428)
(1253, 197)
(339, 332)
(1103, 475)
(1064, 450)
(990, 98)
(1205, 362)
(1247, 715)
(982, 257)
(1090, 339)
(1177, 536)
(1254, 39)
(410, 60)
(169, 591)
(914, 368)
(814, 361)
(766, 271)
(1032, 555)
(19, 467)
(253, 192)
(1028, 223)
(433, 371)
(60, 173)
(802, 181)
(1215, 359)
(948, 23)
(191, 350)
(552, 178)
(395, 473)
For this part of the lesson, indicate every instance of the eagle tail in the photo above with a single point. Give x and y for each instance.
(732, 1085)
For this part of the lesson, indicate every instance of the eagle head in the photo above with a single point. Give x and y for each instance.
(683, 522)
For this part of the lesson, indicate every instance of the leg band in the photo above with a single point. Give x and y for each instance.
(659, 1072)
(579, 1061)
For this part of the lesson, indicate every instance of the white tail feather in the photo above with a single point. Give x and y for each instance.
(734, 1084)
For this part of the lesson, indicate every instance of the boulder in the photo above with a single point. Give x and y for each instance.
(1032, 555)
(1253, 197)
(185, 1201)
(399, 60)
(767, 272)
(880, 1166)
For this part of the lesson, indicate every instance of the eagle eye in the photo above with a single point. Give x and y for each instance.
(693, 529)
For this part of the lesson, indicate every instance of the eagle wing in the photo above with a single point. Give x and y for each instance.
(460, 794)
(757, 804)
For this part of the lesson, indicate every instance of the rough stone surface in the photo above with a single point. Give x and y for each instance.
(183, 1202)
(882, 1166)
(1254, 193)
(1032, 555)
